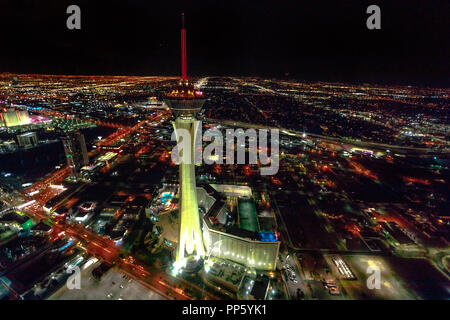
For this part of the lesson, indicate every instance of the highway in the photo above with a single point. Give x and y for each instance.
(368, 144)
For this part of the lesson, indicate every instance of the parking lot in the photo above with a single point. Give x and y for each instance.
(112, 286)
(391, 286)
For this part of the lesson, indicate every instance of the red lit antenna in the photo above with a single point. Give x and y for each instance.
(183, 49)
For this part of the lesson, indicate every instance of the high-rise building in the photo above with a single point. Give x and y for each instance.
(28, 139)
(185, 102)
(76, 152)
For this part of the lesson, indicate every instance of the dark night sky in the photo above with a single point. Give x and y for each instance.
(310, 40)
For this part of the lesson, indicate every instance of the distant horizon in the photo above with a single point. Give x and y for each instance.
(354, 82)
(309, 41)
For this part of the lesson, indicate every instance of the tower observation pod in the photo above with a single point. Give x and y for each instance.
(185, 102)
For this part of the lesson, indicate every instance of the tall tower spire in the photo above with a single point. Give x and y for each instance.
(183, 49)
(185, 102)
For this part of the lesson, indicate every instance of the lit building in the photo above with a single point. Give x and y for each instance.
(107, 158)
(185, 102)
(154, 103)
(76, 152)
(12, 118)
(242, 242)
(28, 139)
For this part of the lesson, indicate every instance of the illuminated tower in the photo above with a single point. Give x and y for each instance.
(185, 102)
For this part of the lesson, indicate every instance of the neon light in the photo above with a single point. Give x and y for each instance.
(32, 193)
(26, 204)
(57, 186)
(66, 245)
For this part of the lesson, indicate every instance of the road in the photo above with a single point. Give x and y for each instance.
(101, 247)
(292, 286)
(368, 144)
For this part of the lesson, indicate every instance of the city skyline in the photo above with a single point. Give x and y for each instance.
(315, 167)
